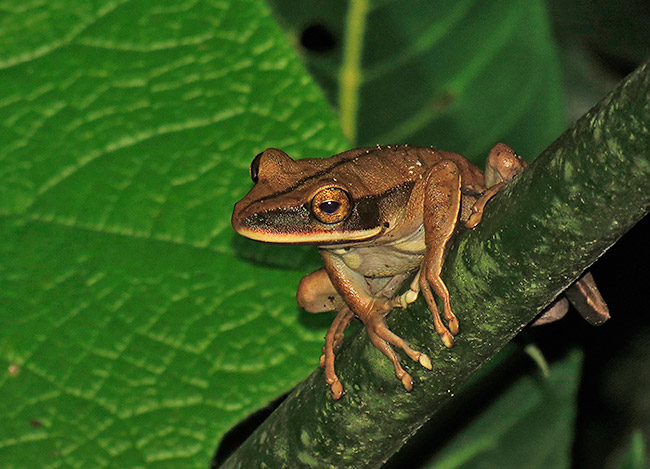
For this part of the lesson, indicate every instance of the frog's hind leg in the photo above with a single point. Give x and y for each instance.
(316, 294)
(441, 209)
(586, 298)
(503, 164)
(479, 206)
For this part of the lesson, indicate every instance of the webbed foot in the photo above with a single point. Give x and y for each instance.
(382, 338)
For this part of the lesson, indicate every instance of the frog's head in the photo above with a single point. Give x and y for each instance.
(308, 201)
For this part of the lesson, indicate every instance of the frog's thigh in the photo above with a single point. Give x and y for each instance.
(316, 293)
(586, 298)
(555, 311)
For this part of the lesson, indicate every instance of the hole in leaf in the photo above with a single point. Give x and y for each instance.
(317, 38)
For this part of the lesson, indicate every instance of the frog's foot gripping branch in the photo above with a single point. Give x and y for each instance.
(479, 206)
(380, 336)
(409, 296)
(333, 340)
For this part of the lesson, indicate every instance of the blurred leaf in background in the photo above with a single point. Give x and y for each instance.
(529, 425)
(637, 455)
(457, 75)
(600, 42)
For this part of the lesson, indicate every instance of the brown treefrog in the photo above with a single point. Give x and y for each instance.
(380, 216)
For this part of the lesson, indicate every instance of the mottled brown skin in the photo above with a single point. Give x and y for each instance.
(380, 216)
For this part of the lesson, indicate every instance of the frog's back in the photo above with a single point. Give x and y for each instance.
(403, 162)
(471, 175)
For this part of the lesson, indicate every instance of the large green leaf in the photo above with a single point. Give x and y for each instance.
(458, 75)
(132, 333)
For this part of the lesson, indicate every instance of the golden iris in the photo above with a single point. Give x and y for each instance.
(331, 205)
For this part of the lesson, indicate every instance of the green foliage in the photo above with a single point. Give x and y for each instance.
(458, 75)
(134, 333)
(637, 455)
(529, 425)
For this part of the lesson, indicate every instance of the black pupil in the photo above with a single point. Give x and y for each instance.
(330, 207)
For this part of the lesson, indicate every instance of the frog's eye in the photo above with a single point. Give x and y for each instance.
(331, 205)
(255, 168)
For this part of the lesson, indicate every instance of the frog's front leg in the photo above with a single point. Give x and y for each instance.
(371, 309)
(442, 200)
(316, 294)
(333, 340)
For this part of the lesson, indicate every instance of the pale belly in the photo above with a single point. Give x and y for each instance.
(386, 260)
